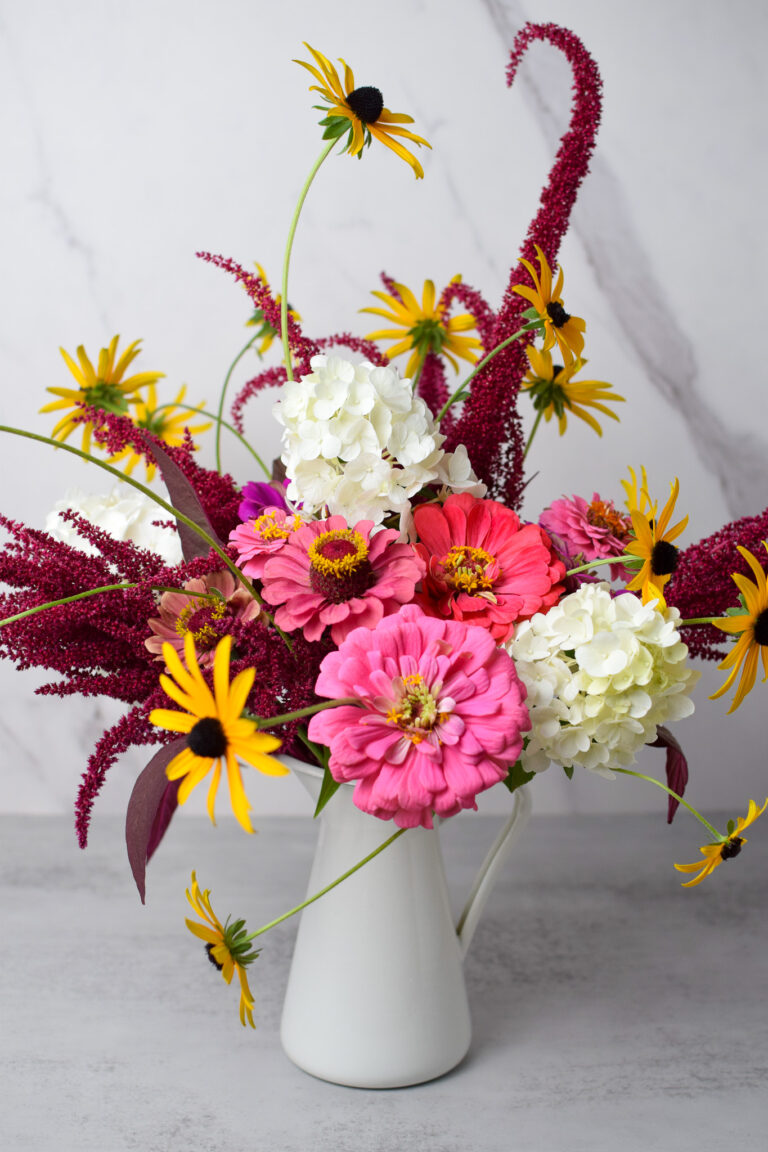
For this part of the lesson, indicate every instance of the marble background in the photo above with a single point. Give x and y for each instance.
(136, 133)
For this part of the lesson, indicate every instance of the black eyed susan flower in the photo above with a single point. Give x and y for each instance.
(227, 945)
(168, 422)
(753, 628)
(652, 544)
(724, 849)
(359, 111)
(216, 731)
(423, 328)
(547, 304)
(555, 393)
(266, 333)
(100, 387)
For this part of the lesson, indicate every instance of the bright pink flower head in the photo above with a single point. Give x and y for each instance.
(256, 540)
(482, 566)
(203, 612)
(589, 531)
(330, 574)
(440, 718)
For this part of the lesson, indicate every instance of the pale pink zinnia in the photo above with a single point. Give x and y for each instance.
(483, 567)
(258, 539)
(589, 531)
(328, 574)
(205, 610)
(440, 716)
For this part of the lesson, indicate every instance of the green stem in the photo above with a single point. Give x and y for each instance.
(328, 887)
(152, 496)
(597, 563)
(652, 780)
(300, 713)
(536, 423)
(287, 258)
(224, 424)
(700, 620)
(478, 368)
(225, 385)
(96, 592)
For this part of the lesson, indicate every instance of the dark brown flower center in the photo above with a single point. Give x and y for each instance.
(209, 949)
(731, 848)
(664, 558)
(367, 104)
(761, 628)
(557, 313)
(207, 739)
(339, 568)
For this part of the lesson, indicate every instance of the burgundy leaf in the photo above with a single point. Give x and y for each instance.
(169, 802)
(676, 767)
(185, 500)
(150, 809)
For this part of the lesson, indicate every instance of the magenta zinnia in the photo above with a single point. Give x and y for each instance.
(483, 567)
(328, 574)
(588, 531)
(262, 537)
(440, 716)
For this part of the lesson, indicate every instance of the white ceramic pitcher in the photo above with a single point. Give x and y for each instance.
(376, 995)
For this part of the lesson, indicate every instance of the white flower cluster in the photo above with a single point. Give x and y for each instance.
(124, 514)
(601, 672)
(358, 442)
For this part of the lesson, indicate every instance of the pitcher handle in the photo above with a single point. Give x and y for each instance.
(491, 866)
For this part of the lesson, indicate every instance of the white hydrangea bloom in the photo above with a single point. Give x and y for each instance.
(125, 514)
(602, 672)
(357, 441)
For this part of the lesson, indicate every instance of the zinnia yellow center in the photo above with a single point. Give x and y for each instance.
(470, 570)
(267, 527)
(198, 622)
(337, 553)
(416, 712)
(601, 515)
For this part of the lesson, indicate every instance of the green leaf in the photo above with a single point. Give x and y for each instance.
(327, 789)
(568, 771)
(731, 826)
(517, 776)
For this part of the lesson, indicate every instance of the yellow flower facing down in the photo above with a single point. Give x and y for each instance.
(559, 326)
(227, 946)
(216, 731)
(555, 393)
(267, 334)
(359, 111)
(423, 328)
(168, 422)
(101, 387)
(653, 546)
(752, 629)
(725, 849)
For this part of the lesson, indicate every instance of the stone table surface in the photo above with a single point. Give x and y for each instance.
(612, 1009)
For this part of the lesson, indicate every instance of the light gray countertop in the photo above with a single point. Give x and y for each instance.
(612, 1009)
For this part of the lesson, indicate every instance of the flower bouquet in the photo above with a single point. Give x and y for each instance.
(372, 610)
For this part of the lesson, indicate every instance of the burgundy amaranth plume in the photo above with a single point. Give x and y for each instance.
(489, 425)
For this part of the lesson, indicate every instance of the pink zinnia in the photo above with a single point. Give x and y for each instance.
(330, 574)
(482, 566)
(440, 717)
(258, 539)
(207, 615)
(589, 531)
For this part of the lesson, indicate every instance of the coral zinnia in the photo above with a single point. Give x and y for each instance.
(102, 387)
(227, 946)
(725, 849)
(559, 326)
(210, 604)
(753, 626)
(555, 393)
(653, 545)
(331, 574)
(214, 727)
(360, 112)
(440, 719)
(423, 328)
(482, 566)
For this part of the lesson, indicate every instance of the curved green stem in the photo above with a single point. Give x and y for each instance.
(300, 713)
(287, 258)
(479, 367)
(597, 563)
(701, 620)
(536, 423)
(328, 887)
(225, 385)
(95, 592)
(651, 780)
(224, 424)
